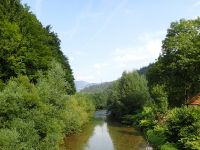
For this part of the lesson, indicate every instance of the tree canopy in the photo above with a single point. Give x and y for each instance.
(178, 67)
(27, 47)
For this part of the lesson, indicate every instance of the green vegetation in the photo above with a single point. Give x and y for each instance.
(26, 46)
(157, 106)
(38, 116)
(37, 108)
(178, 66)
(99, 93)
(128, 95)
(173, 79)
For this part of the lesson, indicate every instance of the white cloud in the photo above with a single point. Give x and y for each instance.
(125, 56)
(100, 65)
(99, 68)
(146, 50)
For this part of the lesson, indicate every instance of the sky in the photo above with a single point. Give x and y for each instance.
(103, 38)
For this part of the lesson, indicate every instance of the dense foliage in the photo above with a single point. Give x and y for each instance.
(128, 95)
(174, 79)
(178, 67)
(26, 46)
(38, 116)
(183, 128)
(99, 93)
(37, 105)
(37, 108)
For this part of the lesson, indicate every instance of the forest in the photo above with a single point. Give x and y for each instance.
(39, 104)
(156, 98)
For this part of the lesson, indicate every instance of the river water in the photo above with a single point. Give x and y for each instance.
(103, 135)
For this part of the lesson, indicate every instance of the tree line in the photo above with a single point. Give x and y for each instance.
(154, 98)
(38, 103)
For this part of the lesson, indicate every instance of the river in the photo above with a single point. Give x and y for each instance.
(103, 135)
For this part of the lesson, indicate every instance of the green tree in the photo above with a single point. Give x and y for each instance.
(129, 95)
(178, 66)
(27, 47)
(183, 128)
(38, 116)
(160, 99)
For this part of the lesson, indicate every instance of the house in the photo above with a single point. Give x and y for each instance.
(195, 101)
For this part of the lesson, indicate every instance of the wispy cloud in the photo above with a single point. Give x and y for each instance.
(100, 65)
(84, 14)
(125, 56)
(106, 22)
(196, 4)
(147, 50)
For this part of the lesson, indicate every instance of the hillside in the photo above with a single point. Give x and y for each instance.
(97, 87)
(82, 84)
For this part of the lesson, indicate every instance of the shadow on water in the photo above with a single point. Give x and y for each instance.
(105, 135)
(126, 138)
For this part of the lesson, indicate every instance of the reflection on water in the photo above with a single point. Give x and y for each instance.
(126, 138)
(100, 140)
(102, 135)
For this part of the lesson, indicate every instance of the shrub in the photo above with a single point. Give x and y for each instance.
(9, 139)
(156, 136)
(168, 146)
(146, 118)
(38, 116)
(183, 127)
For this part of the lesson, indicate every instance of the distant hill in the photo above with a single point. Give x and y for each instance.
(82, 84)
(97, 87)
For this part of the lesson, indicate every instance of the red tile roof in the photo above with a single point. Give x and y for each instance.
(195, 100)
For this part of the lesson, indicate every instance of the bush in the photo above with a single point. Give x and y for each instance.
(168, 146)
(146, 119)
(38, 116)
(156, 136)
(9, 139)
(79, 110)
(183, 127)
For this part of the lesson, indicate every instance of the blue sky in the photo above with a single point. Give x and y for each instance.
(102, 38)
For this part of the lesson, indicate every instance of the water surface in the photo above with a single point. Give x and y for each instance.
(103, 135)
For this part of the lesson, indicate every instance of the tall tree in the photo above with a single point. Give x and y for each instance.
(26, 46)
(178, 67)
(129, 94)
